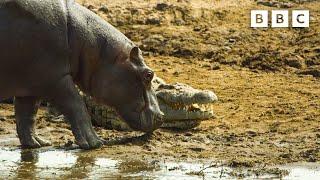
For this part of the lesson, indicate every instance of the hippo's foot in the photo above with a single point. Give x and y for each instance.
(90, 145)
(34, 141)
(26, 108)
(90, 142)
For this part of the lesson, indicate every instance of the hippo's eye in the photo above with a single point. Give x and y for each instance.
(148, 75)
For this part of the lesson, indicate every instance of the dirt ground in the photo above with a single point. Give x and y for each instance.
(267, 81)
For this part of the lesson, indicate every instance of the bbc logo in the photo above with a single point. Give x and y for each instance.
(280, 18)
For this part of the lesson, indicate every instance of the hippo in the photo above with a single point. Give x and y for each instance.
(50, 49)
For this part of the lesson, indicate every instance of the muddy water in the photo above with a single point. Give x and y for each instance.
(61, 164)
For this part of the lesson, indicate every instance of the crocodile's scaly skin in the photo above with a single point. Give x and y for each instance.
(170, 96)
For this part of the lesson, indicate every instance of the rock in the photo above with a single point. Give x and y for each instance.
(317, 50)
(206, 66)
(185, 140)
(162, 6)
(232, 40)
(90, 7)
(179, 22)
(227, 48)
(3, 118)
(68, 143)
(215, 66)
(312, 62)
(296, 62)
(134, 11)
(120, 22)
(148, 147)
(103, 8)
(235, 163)
(275, 4)
(176, 73)
(310, 155)
(314, 72)
(228, 61)
(197, 28)
(286, 5)
(153, 21)
(197, 149)
(155, 39)
(286, 155)
(266, 3)
(183, 52)
(251, 133)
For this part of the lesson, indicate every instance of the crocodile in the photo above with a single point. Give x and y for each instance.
(184, 107)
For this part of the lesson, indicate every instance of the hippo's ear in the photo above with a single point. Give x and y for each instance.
(134, 53)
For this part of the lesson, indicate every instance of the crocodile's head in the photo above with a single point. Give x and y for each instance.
(182, 102)
(183, 106)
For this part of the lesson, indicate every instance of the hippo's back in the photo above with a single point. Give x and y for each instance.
(33, 43)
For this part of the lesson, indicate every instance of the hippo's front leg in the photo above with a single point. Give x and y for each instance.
(25, 110)
(66, 98)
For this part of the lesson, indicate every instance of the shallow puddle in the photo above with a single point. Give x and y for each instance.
(60, 164)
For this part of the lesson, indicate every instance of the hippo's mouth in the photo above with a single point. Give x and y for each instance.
(182, 102)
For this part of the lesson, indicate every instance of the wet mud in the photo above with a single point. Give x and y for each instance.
(267, 117)
(76, 164)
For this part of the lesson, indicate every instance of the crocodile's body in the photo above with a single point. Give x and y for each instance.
(184, 107)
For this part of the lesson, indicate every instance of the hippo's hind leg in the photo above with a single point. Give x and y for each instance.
(25, 111)
(66, 98)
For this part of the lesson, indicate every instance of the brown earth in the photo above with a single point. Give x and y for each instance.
(267, 81)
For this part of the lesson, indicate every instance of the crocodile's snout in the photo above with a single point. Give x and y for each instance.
(182, 102)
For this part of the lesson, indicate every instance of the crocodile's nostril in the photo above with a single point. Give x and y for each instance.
(159, 116)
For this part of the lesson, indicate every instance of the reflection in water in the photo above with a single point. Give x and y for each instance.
(27, 164)
(59, 164)
(80, 169)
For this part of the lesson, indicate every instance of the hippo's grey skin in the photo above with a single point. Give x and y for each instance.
(49, 46)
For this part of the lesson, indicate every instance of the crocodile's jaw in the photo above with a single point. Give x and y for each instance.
(186, 112)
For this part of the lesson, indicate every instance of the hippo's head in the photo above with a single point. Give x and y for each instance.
(126, 85)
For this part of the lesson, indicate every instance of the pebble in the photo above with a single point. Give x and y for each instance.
(197, 149)
(68, 143)
(252, 133)
(103, 8)
(153, 21)
(197, 28)
(188, 134)
(162, 6)
(215, 66)
(3, 118)
(176, 73)
(232, 40)
(227, 48)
